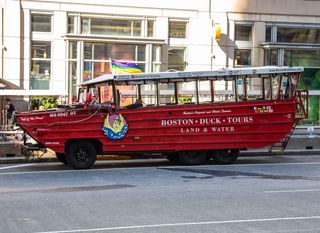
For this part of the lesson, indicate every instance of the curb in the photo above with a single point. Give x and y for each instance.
(4, 160)
(287, 152)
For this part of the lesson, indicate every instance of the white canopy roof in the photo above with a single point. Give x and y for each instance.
(227, 72)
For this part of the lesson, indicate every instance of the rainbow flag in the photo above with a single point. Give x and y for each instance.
(122, 67)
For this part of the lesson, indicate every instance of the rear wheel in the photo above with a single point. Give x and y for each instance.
(225, 156)
(81, 155)
(192, 157)
(61, 158)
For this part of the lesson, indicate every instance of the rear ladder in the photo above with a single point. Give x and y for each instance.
(301, 113)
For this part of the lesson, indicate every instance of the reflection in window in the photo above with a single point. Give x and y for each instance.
(309, 58)
(40, 75)
(271, 57)
(204, 88)
(71, 24)
(40, 65)
(187, 92)
(87, 71)
(150, 26)
(242, 57)
(72, 50)
(97, 57)
(40, 23)
(268, 33)
(41, 49)
(156, 58)
(177, 29)
(176, 59)
(254, 88)
(73, 80)
(166, 94)
(243, 32)
(114, 27)
(149, 94)
(298, 35)
(223, 91)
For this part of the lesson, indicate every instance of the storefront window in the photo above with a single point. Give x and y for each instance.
(298, 35)
(176, 59)
(311, 77)
(98, 57)
(87, 71)
(307, 58)
(271, 57)
(40, 65)
(311, 81)
(40, 23)
(177, 29)
(242, 57)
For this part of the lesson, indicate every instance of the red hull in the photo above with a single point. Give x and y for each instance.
(251, 124)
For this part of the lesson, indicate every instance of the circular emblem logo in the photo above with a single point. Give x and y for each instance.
(115, 126)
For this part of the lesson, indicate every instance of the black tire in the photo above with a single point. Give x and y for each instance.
(225, 156)
(62, 158)
(81, 155)
(193, 157)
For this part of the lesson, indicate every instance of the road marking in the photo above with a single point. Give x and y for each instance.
(151, 167)
(15, 166)
(293, 191)
(185, 224)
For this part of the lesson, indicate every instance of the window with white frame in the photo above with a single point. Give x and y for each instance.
(177, 29)
(72, 69)
(176, 59)
(97, 57)
(298, 35)
(111, 26)
(243, 32)
(242, 57)
(71, 24)
(41, 22)
(40, 65)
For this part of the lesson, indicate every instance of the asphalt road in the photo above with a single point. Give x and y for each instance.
(257, 194)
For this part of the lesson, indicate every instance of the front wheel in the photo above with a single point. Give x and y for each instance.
(225, 156)
(192, 157)
(81, 155)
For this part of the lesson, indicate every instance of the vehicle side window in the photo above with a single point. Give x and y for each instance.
(149, 94)
(224, 91)
(127, 95)
(204, 87)
(166, 94)
(187, 92)
(254, 88)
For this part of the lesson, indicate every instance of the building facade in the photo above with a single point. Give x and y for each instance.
(49, 47)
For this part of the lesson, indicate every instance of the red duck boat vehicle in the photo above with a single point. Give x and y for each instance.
(187, 116)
